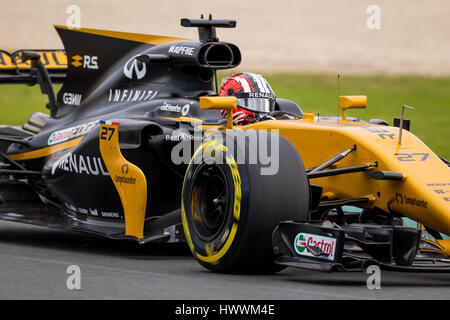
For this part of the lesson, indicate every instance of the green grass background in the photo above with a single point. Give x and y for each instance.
(430, 97)
(316, 93)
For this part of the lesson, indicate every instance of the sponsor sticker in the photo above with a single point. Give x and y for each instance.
(439, 184)
(82, 211)
(70, 207)
(134, 68)
(326, 244)
(86, 61)
(183, 50)
(71, 133)
(183, 135)
(91, 212)
(72, 98)
(80, 164)
(184, 110)
(403, 199)
(77, 61)
(265, 95)
(131, 95)
(110, 214)
(124, 179)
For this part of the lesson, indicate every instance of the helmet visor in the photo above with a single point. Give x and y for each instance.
(264, 103)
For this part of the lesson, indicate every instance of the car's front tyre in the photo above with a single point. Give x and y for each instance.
(230, 208)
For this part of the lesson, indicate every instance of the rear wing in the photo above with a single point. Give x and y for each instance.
(14, 70)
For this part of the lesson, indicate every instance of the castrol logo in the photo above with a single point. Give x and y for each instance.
(326, 244)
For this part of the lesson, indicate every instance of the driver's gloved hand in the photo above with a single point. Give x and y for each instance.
(266, 116)
(241, 116)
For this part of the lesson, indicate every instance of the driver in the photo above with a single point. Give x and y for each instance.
(255, 97)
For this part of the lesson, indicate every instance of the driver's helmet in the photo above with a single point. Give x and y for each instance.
(252, 91)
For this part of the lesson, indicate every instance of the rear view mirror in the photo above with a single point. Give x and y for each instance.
(220, 103)
(351, 102)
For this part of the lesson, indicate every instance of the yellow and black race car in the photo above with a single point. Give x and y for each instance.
(135, 146)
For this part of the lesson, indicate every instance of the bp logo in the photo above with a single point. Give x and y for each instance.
(300, 243)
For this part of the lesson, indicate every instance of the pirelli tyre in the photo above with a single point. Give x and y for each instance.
(238, 186)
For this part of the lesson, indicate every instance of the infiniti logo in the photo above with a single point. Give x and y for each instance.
(134, 66)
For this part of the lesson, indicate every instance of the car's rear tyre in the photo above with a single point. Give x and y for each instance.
(230, 209)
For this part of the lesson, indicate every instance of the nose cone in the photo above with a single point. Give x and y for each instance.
(425, 197)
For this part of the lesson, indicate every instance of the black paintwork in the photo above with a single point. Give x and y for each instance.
(138, 85)
(169, 87)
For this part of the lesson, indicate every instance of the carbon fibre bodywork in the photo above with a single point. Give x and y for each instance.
(53, 172)
(152, 100)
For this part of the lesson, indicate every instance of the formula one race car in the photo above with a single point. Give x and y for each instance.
(136, 147)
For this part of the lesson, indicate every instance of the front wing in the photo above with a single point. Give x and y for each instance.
(325, 246)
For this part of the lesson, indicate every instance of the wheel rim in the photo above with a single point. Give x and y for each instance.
(210, 201)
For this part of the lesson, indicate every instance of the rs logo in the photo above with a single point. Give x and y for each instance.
(134, 66)
(88, 62)
(77, 60)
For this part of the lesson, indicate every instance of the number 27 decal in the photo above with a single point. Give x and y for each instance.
(412, 156)
(104, 133)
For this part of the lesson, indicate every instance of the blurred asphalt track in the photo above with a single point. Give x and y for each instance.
(33, 263)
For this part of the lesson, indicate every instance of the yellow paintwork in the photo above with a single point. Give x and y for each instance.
(128, 179)
(44, 152)
(351, 102)
(183, 119)
(445, 244)
(220, 103)
(424, 193)
(308, 117)
(52, 60)
(137, 37)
